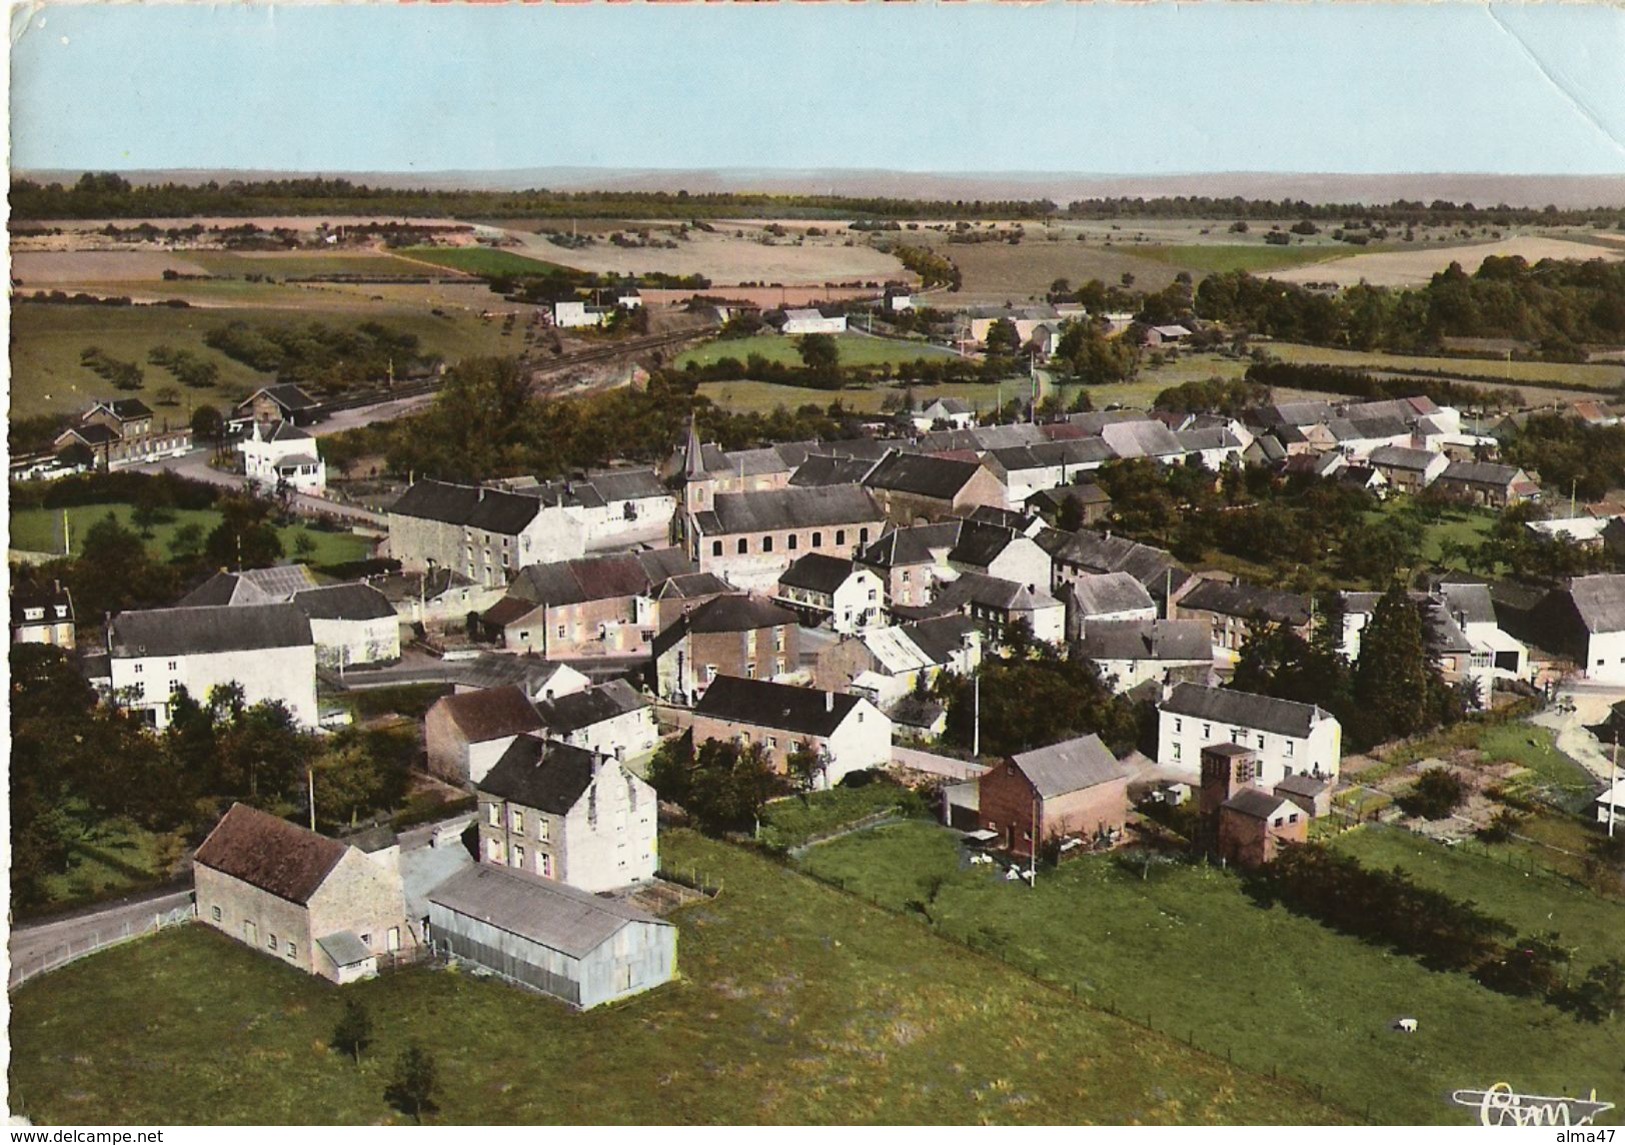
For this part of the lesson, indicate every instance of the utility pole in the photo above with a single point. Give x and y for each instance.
(310, 782)
(1613, 788)
(1032, 857)
(976, 716)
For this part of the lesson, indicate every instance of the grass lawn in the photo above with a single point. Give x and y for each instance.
(1594, 928)
(1253, 257)
(303, 264)
(109, 858)
(1599, 376)
(792, 822)
(1188, 950)
(764, 397)
(856, 350)
(1568, 782)
(1459, 527)
(40, 531)
(480, 260)
(797, 1005)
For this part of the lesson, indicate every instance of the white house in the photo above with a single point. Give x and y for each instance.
(608, 719)
(997, 603)
(279, 455)
(1128, 653)
(813, 322)
(1100, 597)
(1289, 738)
(612, 503)
(351, 624)
(846, 732)
(818, 588)
(956, 412)
(1586, 620)
(1611, 806)
(267, 649)
(569, 814)
(487, 535)
(569, 315)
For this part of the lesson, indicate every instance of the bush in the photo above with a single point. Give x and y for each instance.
(1437, 794)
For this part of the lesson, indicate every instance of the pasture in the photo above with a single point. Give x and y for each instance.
(796, 1005)
(40, 531)
(1183, 948)
(1414, 267)
(1523, 375)
(856, 349)
(479, 260)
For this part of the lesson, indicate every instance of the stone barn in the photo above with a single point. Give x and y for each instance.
(582, 948)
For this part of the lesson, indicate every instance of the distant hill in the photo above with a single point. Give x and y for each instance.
(1483, 190)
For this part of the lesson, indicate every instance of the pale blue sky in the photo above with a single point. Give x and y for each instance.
(1097, 88)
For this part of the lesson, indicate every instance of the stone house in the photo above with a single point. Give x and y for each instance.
(1408, 470)
(996, 604)
(912, 560)
(1133, 652)
(847, 596)
(285, 402)
(1232, 609)
(916, 489)
(580, 948)
(488, 535)
(847, 732)
(1028, 470)
(1003, 552)
(121, 432)
(1075, 788)
(733, 635)
(1487, 484)
(315, 903)
(267, 649)
(465, 734)
(1094, 502)
(889, 664)
(569, 814)
(609, 719)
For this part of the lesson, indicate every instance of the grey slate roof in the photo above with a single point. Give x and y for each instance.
(1257, 804)
(912, 545)
(593, 706)
(817, 573)
(774, 509)
(820, 470)
(1247, 601)
(540, 773)
(736, 612)
(980, 544)
(1600, 601)
(763, 703)
(1480, 473)
(194, 631)
(1402, 457)
(344, 948)
(941, 637)
(344, 602)
(1217, 437)
(1103, 593)
(1230, 708)
(1103, 553)
(1302, 783)
(1148, 640)
(598, 578)
(493, 510)
(548, 913)
(991, 592)
(941, 478)
(1071, 765)
(1470, 603)
(288, 396)
(1146, 438)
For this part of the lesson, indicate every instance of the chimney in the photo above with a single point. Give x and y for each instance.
(480, 496)
(829, 701)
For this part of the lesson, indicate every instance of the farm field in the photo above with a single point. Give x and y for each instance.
(797, 1004)
(479, 260)
(736, 253)
(1592, 927)
(1254, 257)
(1520, 374)
(1188, 950)
(856, 350)
(46, 341)
(298, 264)
(994, 273)
(55, 270)
(40, 531)
(1408, 267)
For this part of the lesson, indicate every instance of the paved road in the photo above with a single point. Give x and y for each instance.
(195, 466)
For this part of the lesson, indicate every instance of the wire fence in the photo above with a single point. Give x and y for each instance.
(113, 935)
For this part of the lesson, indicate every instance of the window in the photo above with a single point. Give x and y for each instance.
(1179, 724)
(216, 914)
(767, 544)
(544, 865)
(367, 940)
(778, 639)
(392, 940)
(592, 807)
(840, 536)
(493, 814)
(561, 632)
(519, 856)
(1176, 751)
(172, 665)
(138, 668)
(716, 548)
(270, 942)
(790, 542)
(863, 536)
(293, 950)
(1260, 741)
(631, 794)
(744, 546)
(544, 828)
(778, 666)
(493, 850)
(772, 742)
(1289, 747)
(905, 576)
(1278, 821)
(710, 673)
(1207, 731)
(871, 594)
(818, 543)
(1291, 818)
(750, 670)
(517, 818)
(1237, 735)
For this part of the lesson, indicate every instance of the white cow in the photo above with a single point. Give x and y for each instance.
(1406, 1025)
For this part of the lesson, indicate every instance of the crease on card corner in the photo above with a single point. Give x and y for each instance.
(1555, 81)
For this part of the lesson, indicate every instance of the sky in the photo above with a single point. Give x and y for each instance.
(1095, 88)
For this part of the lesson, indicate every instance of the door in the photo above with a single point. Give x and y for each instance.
(394, 940)
(251, 933)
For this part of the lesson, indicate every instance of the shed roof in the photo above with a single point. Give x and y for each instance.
(1071, 765)
(548, 913)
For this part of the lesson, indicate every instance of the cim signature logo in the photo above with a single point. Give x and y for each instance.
(1499, 1105)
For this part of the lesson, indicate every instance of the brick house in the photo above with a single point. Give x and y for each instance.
(911, 560)
(1241, 822)
(591, 606)
(466, 734)
(734, 635)
(916, 489)
(848, 732)
(1074, 788)
(315, 903)
(121, 432)
(567, 813)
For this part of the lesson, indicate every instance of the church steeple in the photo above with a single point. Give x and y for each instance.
(693, 466)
